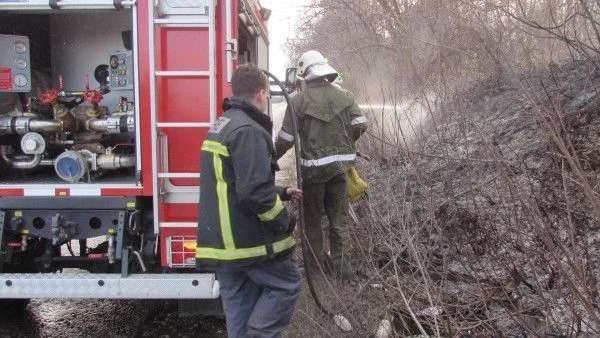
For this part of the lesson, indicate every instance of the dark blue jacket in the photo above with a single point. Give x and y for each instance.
(242, 219)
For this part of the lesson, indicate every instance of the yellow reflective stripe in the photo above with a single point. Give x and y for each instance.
(215, 147)
(224, 220)
(275, 210)
(257, 251)
(284, 244)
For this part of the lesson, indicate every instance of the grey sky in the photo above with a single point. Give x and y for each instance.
(281, 25)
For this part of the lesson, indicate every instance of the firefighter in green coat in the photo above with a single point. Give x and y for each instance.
(329, 122)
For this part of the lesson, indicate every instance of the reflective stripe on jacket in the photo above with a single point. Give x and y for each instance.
(242, 219)
(329, 122)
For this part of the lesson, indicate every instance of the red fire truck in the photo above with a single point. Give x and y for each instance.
(104, 105)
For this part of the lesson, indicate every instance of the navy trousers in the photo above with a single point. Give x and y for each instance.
(260, 300)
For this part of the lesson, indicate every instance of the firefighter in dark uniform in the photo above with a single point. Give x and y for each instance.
(330, 122)
(244, 229)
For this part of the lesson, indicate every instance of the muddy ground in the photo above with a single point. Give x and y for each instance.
(104, 318)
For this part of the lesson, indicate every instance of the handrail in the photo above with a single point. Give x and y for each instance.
(66, 4)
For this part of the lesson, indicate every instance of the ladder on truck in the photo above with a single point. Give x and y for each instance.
(173, 30)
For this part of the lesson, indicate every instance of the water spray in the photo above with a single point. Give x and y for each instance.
(339, 319)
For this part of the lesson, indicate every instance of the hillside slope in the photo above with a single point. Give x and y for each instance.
(489, 225)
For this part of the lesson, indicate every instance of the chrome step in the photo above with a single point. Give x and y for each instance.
(111, 286)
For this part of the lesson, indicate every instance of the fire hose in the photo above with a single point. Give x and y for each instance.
(339, 319)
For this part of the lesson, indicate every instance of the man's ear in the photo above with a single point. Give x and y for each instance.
(263, 93)
(259, 98)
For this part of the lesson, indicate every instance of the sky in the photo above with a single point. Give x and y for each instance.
(281, 25)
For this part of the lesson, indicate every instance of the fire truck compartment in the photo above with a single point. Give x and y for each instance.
(68, 110)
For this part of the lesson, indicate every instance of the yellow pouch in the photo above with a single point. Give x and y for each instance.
(356, 185)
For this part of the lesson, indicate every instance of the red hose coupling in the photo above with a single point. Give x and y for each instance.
(49, 96)
(93, 96)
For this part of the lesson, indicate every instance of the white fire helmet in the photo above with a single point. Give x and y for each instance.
(312, 65)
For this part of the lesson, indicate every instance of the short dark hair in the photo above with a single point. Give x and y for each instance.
(247, 80)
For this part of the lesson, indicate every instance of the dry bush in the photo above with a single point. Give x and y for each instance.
(483, 216)
(490, 221)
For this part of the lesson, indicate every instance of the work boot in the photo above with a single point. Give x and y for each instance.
(317, 270)
(340, 268)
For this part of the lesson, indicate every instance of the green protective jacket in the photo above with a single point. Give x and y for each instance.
(329, 122)
(241, 217)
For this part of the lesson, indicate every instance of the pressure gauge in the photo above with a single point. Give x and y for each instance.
(33, 143)
(20, 80)
(114, 61)
(20, 47)
(20, 63)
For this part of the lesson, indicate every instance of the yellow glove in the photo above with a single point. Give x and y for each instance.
(356, 185)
